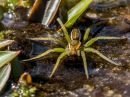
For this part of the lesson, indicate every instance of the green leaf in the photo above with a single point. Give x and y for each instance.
(17, 68)
(75, 12)
(5, 43)
(7, 56)
(4, 75)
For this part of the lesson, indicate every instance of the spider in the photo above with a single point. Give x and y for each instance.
(74, 47)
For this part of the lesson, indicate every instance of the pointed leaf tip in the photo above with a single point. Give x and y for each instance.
(7, 56)
(4, 43)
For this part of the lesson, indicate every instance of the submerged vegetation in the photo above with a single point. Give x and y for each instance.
(29, 32)
(24, 87)
(5, 65)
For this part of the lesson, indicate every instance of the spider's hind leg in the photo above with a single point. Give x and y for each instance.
(85, 63)
(101, 55)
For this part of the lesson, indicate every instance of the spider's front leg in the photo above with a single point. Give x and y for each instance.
(85, 38)
(58, 50)
(85, 63)
(49, 39)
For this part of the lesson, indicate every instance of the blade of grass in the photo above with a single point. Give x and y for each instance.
(4, 75)
(75, 12)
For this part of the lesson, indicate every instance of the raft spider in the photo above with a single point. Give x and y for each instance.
(75, 47)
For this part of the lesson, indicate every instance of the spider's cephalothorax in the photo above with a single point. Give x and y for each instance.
(75, 47)
(75, 43)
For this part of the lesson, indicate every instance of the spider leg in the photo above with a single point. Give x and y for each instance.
(64, 30)
(59, 60)
(85, 63)
(50, 39)
(60, 50)
(101, 55)
(91, 41)
(86, 35)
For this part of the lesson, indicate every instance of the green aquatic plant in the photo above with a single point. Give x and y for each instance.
(5, 33)
(11, 4)
(75, 47)
(24, 87)
(5, 65)
(75, 12)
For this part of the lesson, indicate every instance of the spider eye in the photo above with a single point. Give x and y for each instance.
(75, 34)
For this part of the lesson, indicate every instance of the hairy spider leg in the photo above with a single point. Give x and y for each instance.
(64, 30)
(58, 50)
(85, 63)
(91, 41)
(85, 38)
(58, 62)
(49, 39)
(101, 55)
